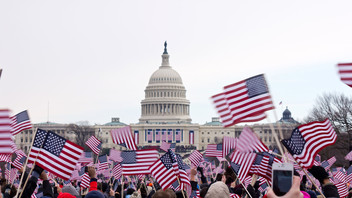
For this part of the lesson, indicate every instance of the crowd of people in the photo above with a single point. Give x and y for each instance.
(224, 185)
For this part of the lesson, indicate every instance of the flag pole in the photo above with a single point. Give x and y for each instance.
(183, 194)
(276, 138)
(122, 183)
(25, 164)
(243, 185)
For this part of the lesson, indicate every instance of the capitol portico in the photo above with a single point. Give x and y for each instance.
(165, 116)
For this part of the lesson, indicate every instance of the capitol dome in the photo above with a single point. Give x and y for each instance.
(165, 96)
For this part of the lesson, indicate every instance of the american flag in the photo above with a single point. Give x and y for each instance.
(241, 163)
(195, 158)
(165, 146)
(308, 139)
(244, 101)
(150, 136)
(317, 160)
(115, 155)
(262, 165)
(5, 157)
(263, 187)
(85, 180)
(228, 144)
(248, 141)
(349, 156)
(123, 136)
(57, 155)
(224, 112)
(163, 135)
(157, 135)
(103, 162)
(183, 176)
(345, 72)
(349, 175)
(169, 135)
(117, 171)
(5, 131)
(86, 157)
(20, 159)
(20, 122)
(162, 170)
(191, 137)
(340, 174)
(136, 137)
(178, 135)
(214, 150)
(138, 162)
(328, 163)
(94, 144)
(341, 188)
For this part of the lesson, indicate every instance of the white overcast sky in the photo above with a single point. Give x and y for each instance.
(91, 60)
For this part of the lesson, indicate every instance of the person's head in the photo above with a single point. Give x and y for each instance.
(71, 190)
(129, 191)
(161, 194)
(203, 191)
(104, 187)
(219, 177)
(95, 194)
(65, 195)
(179, 194)
(170, 192)
(229, 175)
(218, 190)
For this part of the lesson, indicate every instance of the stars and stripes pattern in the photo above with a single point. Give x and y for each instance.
(117, 171)
(103, 162)
(115, 155)
(20, 122)
(169, 136)
(138, 162)
(165, 146)
(191, 137)
(157, 135)
(94, 144)
(248, 141)
(345, 73)
(195, 158)
(317, 160)
(86, 157)
(162, 170)
(228, 144)
(244, 101)
(136, 137)
(55, 154)
(308, 139)
(241, 163)
(349, 175)
(123, 136)
(5, 132)
(5, 157)
(85, 180)
(214, 150)
(19, 160)
(178, 135)
(326, 164)
(349, 156)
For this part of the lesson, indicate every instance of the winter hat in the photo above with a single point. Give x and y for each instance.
(218, 190)
(95, 194)
(65, 195)
(71, 190)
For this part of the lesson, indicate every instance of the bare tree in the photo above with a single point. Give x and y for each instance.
(82, 132)
(338, 108)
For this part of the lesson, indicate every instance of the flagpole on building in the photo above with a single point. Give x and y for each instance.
(25, 164)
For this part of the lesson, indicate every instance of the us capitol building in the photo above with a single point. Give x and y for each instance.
(165, 115)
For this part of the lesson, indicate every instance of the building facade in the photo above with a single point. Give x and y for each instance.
(165, 116)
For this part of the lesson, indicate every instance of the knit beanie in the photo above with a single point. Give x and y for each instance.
(95, 194)
(218, 190)
(71, 190)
